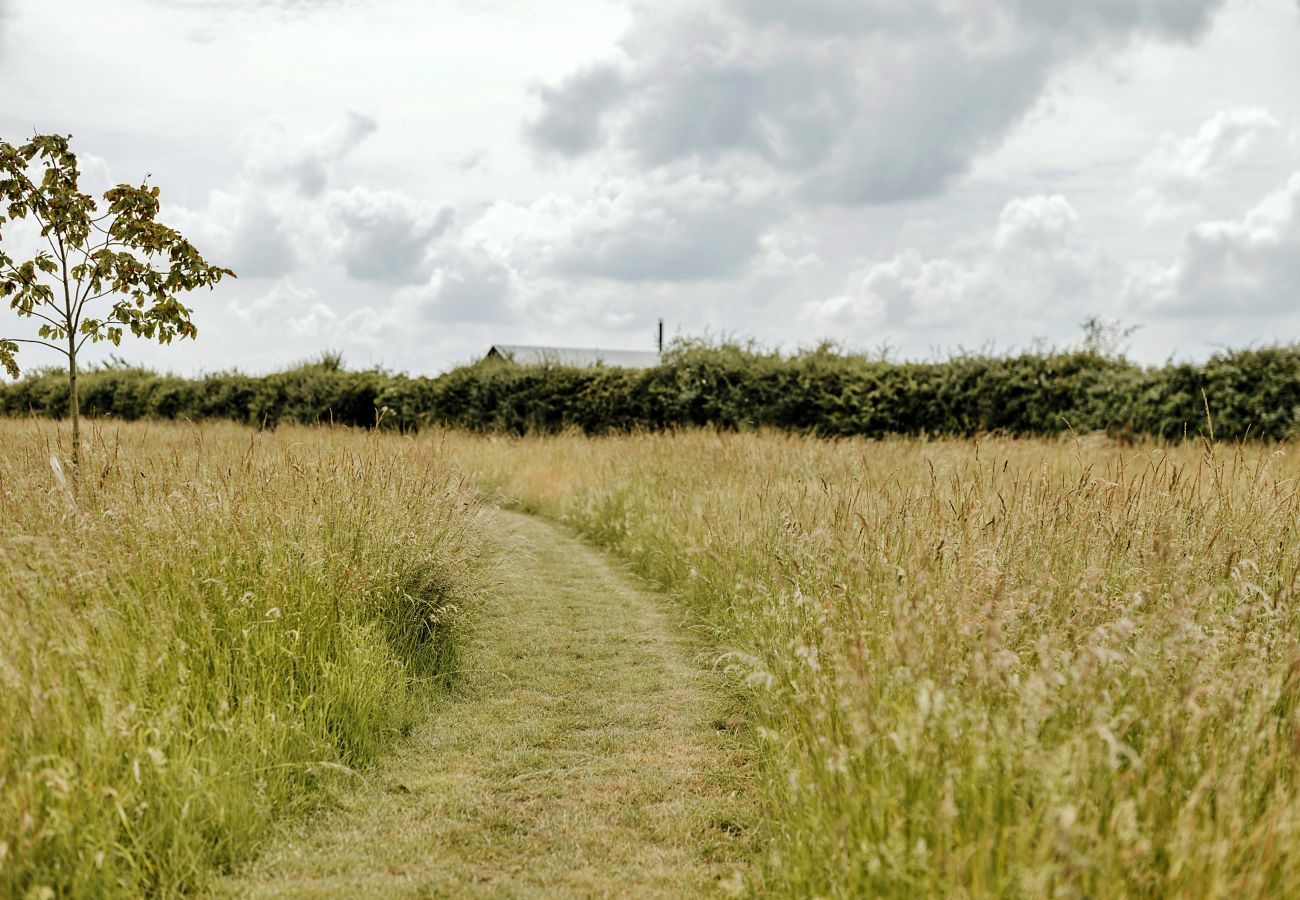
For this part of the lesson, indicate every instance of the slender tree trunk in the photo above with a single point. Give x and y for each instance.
(74, 399)
(74, 407)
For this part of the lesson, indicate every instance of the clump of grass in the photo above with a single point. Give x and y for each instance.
(1023, 668)
(220, 626)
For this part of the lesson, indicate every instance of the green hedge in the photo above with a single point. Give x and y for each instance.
(1249, 392)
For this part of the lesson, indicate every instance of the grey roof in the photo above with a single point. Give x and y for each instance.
(574, 356)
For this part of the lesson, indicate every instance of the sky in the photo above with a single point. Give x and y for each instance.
(410, 182)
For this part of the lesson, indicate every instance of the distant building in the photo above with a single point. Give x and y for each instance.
(577, 357)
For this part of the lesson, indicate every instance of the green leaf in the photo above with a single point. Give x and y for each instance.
(142, 269)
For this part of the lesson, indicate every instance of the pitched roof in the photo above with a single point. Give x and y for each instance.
(574, 356)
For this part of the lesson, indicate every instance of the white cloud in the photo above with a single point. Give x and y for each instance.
(1245, 266)
(1038, 274)
(687, 230)
(255, 239)
(276, 155)
(468, 284)
(317, 321)
(637, 230)
(271, 219)
(281, 214)
(384, 235)
(1034, 270)
(282, 303)
(1177, 173)
(727, 165)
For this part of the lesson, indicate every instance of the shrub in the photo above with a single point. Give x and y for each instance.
(1253, 392)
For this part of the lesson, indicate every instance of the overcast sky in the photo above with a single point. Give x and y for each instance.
(409, 182)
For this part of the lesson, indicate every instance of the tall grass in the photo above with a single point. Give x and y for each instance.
(218, 626)
(1021, 668)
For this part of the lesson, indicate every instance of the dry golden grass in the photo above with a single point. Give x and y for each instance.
(1022, 668)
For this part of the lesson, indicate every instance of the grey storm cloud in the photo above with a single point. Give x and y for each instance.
(1173, 19)
(570, 124)
(862, 101)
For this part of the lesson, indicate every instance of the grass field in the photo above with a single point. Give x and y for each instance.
(963, 668)
(1010, 668)
(222, 625)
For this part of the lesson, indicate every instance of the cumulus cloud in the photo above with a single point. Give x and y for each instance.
(385, 236)
(285, 308)
(324, 264)
(245, 228)
(211, 7)
(281, 213)
(1034, 266)
(636, 230)
(281, 157)
(4, 15)
(1177, 19)
(1250, 265)
(861, 101)
(293, 313)
(1037, 272)
(1178, 171)
(469, 284)
(684, 231)
(571, 121)
(259, 244)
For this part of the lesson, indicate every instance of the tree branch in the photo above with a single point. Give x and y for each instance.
(39, 343)
(45, 226)
(18, 274)
(45, 318)
(89, 256)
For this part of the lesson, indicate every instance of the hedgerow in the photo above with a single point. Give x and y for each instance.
(1253, 392)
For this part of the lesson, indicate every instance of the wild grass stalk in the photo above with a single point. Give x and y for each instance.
(1023, 668)
(218, 627)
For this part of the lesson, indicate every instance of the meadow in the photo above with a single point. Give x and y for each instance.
(218, 629)
(971, 668)
(963, 667)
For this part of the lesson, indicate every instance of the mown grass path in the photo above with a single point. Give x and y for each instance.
(583, 753)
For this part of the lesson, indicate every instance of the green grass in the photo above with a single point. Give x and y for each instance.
(1021, 668)
(584, 753)
(221, 626)
(1018, 668)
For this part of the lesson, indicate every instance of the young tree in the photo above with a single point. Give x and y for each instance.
(102, 275)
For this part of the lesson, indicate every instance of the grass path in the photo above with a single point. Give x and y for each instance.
(583, 753)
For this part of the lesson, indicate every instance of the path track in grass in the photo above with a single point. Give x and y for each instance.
(582, 753)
